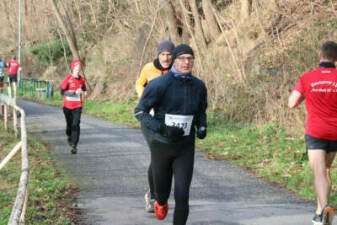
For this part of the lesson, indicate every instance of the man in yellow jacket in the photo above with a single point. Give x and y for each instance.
(162, 64)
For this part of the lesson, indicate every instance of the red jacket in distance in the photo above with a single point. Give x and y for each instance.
(70, 83)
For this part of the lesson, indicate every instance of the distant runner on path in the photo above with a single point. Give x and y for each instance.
(13, 69)
(3, 65)
(319, 89)
(73, 87)
(179, 101)
(161, 65)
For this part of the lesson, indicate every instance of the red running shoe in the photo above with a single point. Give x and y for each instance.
(161, 211)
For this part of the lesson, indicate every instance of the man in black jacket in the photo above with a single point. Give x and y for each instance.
(179, 101)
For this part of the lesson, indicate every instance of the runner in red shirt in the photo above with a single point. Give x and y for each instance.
(72, 88)
(319, 89)
(13, 68)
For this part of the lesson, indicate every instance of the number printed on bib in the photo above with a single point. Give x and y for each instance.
(182, 121)
(76, 98)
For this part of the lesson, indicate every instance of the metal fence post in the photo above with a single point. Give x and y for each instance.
(31, 87)
(6, 116)
(15, 122)
(51, 89)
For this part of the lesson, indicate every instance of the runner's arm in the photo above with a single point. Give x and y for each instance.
(201, 118)
(141, 83)
(68, 93)
(149, 98)
(64, 88)
(84, 89)
(295, 99)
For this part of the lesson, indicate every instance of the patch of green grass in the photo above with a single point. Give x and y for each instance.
(50, 190)
(121, 113)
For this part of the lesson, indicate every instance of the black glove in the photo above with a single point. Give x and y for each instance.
(201, 132)
(171, 132)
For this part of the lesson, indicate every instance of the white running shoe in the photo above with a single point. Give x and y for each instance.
(149, 202)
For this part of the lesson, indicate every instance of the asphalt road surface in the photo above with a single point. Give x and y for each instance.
(111, 166)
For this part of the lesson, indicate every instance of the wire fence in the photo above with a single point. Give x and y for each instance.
(18, 213)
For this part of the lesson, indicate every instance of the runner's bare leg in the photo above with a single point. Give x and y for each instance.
(329, 159)
(318, 163)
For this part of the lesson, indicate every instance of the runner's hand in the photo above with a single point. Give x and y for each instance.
(171, 132)
(79, 91)
(201, 132)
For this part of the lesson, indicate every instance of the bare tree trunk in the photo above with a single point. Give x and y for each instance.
(188, 27)
(171, 21)
(25, 7)
(68, 33)
(137, 7)
(109, 11)
(93, 12)
(212, 24)
(78, 8)
(186, 21)
(7, 12)
(64, 49)
(70, 26)
(148, 37)
(246, 8)
(198, 28)
(236, 62)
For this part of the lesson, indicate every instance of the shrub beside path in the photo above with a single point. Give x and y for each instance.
(111, 166)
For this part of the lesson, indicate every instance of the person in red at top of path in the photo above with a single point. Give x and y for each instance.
(72, 88)
(319, 89)
(13, 68)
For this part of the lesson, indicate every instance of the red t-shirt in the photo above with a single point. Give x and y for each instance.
(13, 66)
(320, 90)
(71, 83)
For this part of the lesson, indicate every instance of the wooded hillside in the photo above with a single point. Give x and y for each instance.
(248, 52)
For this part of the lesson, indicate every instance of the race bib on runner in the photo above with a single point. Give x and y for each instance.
(76, 98)
(182, 121)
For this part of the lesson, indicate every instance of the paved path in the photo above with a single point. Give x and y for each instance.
(111, 169)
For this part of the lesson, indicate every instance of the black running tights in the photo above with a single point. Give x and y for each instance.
(173, 160)
(148, 139)
(73, 119)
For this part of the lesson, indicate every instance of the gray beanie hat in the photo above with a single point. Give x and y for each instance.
(165, 46)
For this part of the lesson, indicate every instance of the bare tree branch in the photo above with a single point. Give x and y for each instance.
(171, 20)
(198, 28)
(67, 32)
(212, 24)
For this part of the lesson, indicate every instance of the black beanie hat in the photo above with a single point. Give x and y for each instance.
(182, 49)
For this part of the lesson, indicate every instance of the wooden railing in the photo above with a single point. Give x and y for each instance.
(18, 213)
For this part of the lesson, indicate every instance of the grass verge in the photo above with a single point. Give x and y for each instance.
(51, 194)
(266, 150)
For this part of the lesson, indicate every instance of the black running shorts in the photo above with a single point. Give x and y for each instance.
(318, 143)
(12, 78)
